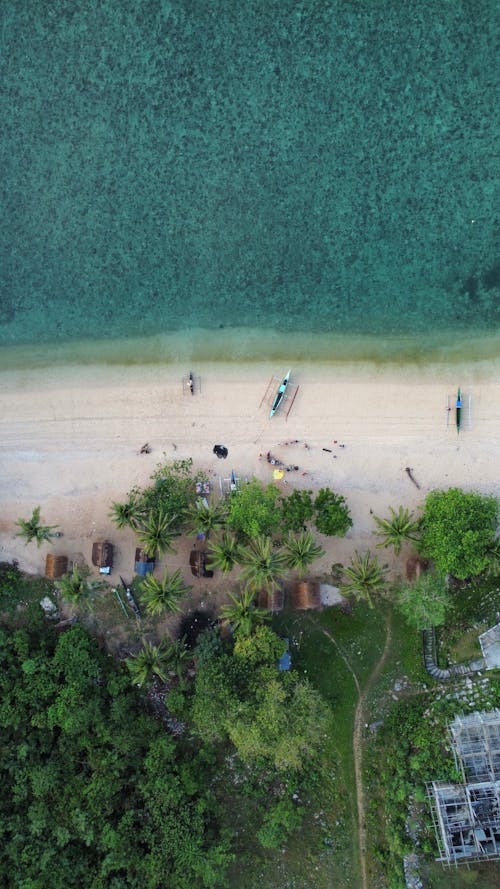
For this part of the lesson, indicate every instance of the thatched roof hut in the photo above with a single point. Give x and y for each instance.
(102, 556)
(55, 566)
(274, 600)
(306, 594)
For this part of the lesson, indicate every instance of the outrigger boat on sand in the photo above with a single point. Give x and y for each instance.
(280, 394)
(458, 410)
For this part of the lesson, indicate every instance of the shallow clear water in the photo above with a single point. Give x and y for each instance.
(315, 168)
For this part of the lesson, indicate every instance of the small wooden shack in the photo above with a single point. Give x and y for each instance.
(102, 556)
(198, 563)
(306, 594)
(144, 564)
(273, 600)
(55, 566)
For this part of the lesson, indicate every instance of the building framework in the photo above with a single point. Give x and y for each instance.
(467, 815)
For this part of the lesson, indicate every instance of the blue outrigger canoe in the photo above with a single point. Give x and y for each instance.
(278, 398)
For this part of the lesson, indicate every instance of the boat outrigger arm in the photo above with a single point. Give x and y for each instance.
(278, 398)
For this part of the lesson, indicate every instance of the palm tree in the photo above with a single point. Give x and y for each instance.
(225, 553)
(150, 661)
(243, 615)
(301, 550)
(128, 514)
(31, 528)
(163, 595)
(77, 588)
(178, 654)
(365, 577)
(401, 526)
(157, 532)
(206, 518)
(262, 565)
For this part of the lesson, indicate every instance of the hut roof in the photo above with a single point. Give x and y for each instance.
(306, 594)
(55, 566)
(273, 600)
(102, 554)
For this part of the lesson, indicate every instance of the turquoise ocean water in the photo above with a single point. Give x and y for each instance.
(236, 175)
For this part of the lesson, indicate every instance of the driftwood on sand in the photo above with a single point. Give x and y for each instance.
(410, 476)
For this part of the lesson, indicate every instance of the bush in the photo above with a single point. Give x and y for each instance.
(332, 513)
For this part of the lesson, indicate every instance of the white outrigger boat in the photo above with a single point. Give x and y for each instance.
(280, 394)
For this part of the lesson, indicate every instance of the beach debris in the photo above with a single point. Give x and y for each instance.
(409, 473)
(146, 449)
(220, 451)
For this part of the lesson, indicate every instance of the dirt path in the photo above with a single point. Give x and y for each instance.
(357, 745)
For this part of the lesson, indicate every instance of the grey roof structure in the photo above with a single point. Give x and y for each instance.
(467, 815)
(490, 646)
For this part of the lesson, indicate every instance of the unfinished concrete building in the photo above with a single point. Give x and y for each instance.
(467, 815)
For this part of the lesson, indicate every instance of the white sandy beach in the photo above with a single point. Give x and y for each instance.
(70, 438)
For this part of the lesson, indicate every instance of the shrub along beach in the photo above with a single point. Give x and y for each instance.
(188, 759)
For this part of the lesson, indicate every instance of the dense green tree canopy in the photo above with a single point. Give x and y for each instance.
(94, 793)
(297, 509)
(458, 531)
(331, 513)
(424, 603)
(270, 717)
(254, 510)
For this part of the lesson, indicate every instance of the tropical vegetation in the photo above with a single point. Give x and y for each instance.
(263, 564)
(32, 529)
(332, 515)
(242, 614)
(400, 527)
(459, 531)
(163, 596)
(364, 577)
(300, 551)
(78, 588)
(425, 602)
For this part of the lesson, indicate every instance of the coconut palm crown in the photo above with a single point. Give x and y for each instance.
(160, 596)
(364, 577)
(263, 565)
(128, 514)
(242, 615)
(31, 529)
(399, 527)
(76, 587)
(150, 661)
(206, 518)
(157, 532)
(224, 553)
(301, 550)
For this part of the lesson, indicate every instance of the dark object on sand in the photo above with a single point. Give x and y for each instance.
(146, 449)
(198, 563)
(144, 564)
(221, 451)
(191, 382)
(410, 476)
(102, 556)
(328, 450)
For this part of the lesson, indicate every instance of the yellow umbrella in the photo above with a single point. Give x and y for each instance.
(278, 473)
